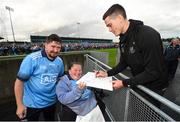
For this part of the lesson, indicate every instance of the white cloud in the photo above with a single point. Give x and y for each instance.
(61, 16)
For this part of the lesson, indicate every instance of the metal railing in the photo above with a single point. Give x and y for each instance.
(126, 104)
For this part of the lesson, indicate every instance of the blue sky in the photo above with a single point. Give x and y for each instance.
(43, 17)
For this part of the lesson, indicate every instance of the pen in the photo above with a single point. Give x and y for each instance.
(97, 72)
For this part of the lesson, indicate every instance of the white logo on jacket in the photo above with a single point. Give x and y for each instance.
(131, 50)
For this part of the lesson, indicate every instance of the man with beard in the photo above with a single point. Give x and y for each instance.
(35, 84)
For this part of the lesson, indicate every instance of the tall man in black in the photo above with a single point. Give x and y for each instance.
(141, 49)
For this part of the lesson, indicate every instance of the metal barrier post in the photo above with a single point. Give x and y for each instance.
(126, 106)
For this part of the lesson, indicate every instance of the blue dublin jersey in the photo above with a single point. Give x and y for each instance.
(40, 76)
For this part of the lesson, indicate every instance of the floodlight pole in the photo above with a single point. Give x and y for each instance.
(11, 9)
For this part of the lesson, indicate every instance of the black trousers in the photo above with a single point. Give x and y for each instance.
(33, 114)
(172, 67)
(66, 114)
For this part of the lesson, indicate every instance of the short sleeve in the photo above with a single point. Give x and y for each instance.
(26, 69)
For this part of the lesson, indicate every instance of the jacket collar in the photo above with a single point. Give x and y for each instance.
(43, 52)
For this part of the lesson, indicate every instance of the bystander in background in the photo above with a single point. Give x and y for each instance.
(172, 54)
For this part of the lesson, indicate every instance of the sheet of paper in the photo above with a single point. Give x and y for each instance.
(92, 81)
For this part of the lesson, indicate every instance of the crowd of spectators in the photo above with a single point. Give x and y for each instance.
(87, 46)
(18, 48)
(27, 47)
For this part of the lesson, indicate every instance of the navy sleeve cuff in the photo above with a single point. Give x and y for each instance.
(22, 79)
(125, 82)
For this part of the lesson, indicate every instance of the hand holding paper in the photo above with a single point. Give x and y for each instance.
(92, 81)
(82, 85)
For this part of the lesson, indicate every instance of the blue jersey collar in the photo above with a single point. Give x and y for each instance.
(43, 52)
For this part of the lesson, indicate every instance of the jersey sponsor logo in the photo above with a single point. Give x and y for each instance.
(48, 78)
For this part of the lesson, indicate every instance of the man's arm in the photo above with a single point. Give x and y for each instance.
(118, 68)
(18, 90)
(115, 70)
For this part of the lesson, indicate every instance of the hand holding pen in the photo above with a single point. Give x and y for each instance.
(100, 73)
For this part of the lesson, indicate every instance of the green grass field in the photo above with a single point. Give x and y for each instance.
(112, 55)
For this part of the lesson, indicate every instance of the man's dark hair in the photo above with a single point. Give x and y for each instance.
(53, 37)
(72, 63)
(115, 9)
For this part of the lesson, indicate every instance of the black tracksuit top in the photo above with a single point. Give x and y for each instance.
(141, 49)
